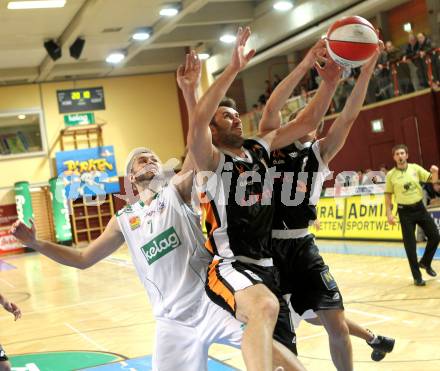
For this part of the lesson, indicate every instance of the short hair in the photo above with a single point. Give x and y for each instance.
(228, 102)
(399, 146)
(225, 102)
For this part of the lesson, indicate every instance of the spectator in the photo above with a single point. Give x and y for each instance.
(393, 56)
(342, 92)
(262, 99)
(268, 90)
(255, 116)
(383, 75)
(412, 48)
(277, 79)
(425, 46)
(410, 57)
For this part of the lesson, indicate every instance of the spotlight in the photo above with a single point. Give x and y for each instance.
(77, 47)
(283, 5)
(228, 38)
(204, 56)
(115, 57)
(53, 49)
(170, 10)
(142, 34)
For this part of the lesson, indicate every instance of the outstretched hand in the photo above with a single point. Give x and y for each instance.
(23, 233)
(188, 75)
(331, 72)
(239, 59)
(318, 53)
(12, 308)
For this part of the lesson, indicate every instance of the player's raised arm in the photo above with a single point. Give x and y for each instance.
(109, 241)
(188, 80)
(310, 117)
(338, 133)
(270, 120)
(205, 156)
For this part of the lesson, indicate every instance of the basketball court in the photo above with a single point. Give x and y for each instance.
(103, 313)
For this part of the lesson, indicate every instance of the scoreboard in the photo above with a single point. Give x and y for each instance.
(79, 100)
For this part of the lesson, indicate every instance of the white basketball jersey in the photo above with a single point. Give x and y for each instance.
(166, 245)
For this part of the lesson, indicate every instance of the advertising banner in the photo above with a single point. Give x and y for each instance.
(331, 216)
(23, 201)
(366, 218)
(8, 215)
(88, 172)
(60, 209)
(356, 217)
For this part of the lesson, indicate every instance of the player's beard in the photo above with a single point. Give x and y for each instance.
(230, 139)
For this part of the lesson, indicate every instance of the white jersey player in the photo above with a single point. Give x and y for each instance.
(166, 245)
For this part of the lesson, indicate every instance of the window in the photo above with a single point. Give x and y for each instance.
(22, 134)
(377, 126)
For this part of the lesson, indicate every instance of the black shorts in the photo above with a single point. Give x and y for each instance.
(304, 275)
(3, 356)
(226, 277)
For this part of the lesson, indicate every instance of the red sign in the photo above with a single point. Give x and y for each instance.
(8, 215)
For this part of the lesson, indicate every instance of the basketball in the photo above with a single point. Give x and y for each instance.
(351, 41)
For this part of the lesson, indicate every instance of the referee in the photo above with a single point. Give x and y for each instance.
(404, 181)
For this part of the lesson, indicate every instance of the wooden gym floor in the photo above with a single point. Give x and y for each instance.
(105, 308)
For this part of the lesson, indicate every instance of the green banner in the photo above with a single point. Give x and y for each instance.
(23, 201)
(63, 230)
(79, 119)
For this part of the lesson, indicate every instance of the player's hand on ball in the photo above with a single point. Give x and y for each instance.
(330, 73)
(23, 233)
(318, 53)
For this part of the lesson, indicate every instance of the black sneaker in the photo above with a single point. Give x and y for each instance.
(380, 349)
(419, 282)
(428, 269)
(377, 355)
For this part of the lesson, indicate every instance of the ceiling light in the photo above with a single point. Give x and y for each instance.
(283, 5)
(21, 117)
(169, 10)
(203, 56)
(142, 34)
(115, 57)
(228, 38)
(407, 27)
(36, 4)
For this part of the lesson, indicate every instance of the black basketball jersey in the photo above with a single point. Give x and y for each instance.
(239, 212)
(298, 188)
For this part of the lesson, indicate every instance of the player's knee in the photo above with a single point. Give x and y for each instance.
(268, 307)
(338, 329)
(5, 366)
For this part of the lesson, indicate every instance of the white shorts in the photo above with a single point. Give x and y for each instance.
(185, 347)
